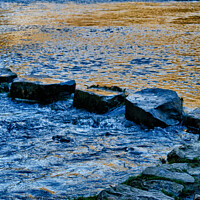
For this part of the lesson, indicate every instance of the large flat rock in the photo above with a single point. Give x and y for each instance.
(164, 173)
(6, 75)
(97, 100)
(124, 192)
(159, 185)
(154, 107)
(41, 89)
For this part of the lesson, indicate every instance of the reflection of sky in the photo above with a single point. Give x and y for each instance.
(133, 45)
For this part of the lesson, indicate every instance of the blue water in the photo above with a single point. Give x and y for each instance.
(56, 151)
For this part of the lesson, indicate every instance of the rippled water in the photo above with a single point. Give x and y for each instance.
(132, 45)
(56, 151)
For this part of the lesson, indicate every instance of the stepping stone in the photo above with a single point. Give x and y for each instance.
(6, 75)
(154, 107)
(97, 100)
(192, 120)
(42, 89)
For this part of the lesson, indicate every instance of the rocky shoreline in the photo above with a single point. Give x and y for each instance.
(178, 179)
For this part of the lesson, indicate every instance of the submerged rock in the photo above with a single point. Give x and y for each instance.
(6, 75)
(125, 192)
(97, 100)
(154, 107)
(41, 89)
(61, 138)
(185, 153)
(192, 120)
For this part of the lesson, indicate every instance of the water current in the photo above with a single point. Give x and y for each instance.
(56, 151)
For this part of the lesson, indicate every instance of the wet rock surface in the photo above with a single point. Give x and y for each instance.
(124, 192)
(42, 89)
(160, 185)
(56, 151)
(161, 172)
(185, 153)
(98, 100)
(6, 75)
(192, 120)
(154, 107)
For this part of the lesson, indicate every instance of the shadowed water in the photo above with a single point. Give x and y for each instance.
(56, 151)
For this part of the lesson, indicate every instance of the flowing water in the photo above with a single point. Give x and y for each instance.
(56, 151)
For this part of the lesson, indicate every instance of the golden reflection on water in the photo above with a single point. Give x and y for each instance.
(159, 29)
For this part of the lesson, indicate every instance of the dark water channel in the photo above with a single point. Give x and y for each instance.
(55, 151)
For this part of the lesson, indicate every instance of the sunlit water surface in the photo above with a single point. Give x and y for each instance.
(131, 45)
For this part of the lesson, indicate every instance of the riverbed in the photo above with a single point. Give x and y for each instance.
(56, 151)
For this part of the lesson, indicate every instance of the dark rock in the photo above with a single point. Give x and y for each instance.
(192, 120)
(125, 192)
(164, 173)
(4, 87)
(154, 107)
(186, 153)
(6, 75)
(44, 90)
(112, 88)
(61, 138)
(97, 100)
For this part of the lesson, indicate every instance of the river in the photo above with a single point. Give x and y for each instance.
(133, 45)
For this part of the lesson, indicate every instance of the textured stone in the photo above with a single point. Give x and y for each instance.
(187, 153)
(192, 120)
(41, 89)
(97, 100)
(194, 171)
(154, 107)
(124, 192)
(6, 75)
(159, 185)
(168, 186)
(177, 167)
(191, 168)
(164, 173)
